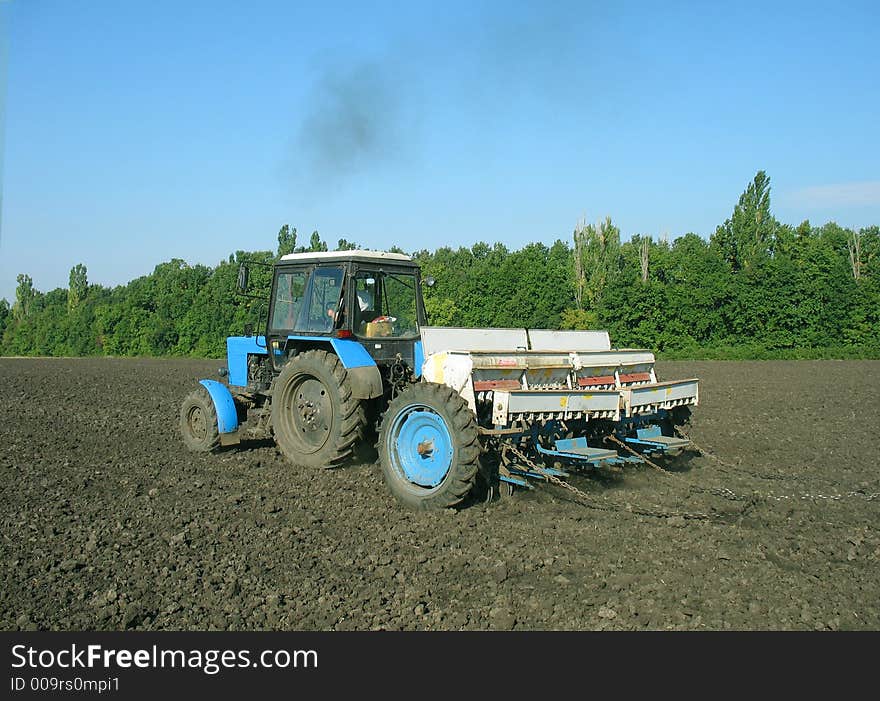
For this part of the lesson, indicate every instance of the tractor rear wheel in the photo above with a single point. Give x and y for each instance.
(429, 447)
(316, 420)
(198, 422)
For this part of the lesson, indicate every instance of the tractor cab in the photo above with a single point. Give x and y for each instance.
(370, 297)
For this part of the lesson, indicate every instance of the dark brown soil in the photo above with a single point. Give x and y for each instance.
(109, 523)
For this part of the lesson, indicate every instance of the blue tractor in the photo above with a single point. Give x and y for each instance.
(347, 355)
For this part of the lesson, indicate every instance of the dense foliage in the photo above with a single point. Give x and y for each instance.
(756, 288)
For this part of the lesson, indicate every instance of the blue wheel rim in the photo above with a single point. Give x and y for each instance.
(421, 446)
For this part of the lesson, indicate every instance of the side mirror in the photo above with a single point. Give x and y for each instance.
(429, 281)
(243, 274)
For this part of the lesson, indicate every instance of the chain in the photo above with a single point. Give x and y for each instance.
(548, 476)
(615, 439)
(703, 451)
(749, 500)
(722, 492)
(828, 497)
(590, 502)
(730, 495)
(804, 496)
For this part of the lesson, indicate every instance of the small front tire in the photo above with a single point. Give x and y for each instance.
(198, 422)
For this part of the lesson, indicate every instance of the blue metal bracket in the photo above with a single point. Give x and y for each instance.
(653, 441)
(649, 431)
(651, 445)
(577, 449)
(532, 473)
(515, 480)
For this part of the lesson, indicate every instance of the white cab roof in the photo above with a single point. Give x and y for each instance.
(375, 256)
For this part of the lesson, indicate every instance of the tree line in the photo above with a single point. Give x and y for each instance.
(757, 288)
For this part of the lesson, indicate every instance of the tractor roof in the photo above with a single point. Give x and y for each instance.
(359, 255)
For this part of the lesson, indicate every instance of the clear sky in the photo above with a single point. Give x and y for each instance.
(145, 130)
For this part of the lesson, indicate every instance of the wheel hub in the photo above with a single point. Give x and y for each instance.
(198, 426)
(423, 447)
(311, 412)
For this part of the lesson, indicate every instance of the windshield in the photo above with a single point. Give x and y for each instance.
(305, 301)
(386, 304)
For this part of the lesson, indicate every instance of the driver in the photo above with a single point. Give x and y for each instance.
(365, 301)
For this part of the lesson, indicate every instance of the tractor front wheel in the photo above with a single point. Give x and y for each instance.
(198, 422)
(429, 447)
(315, 418)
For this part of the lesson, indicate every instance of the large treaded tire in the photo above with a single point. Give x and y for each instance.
(198, 422)
(316, 420)
(429, 447)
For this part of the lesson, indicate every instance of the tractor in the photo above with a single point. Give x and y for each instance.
(347, 359)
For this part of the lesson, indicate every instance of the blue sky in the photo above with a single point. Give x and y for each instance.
(140, 131)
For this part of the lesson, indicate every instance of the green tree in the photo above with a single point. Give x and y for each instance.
(286, 240)
(78, 286)
(316, 244)
(596, 251)
(344, 245)
(5, 316)
(25, 297)
(749, 233)
(578, 319)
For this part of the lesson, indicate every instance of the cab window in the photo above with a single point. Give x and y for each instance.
(288, 303)
(386, 305)
(399, 303)
(326, 293)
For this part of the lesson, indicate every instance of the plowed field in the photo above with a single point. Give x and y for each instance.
(109, 523)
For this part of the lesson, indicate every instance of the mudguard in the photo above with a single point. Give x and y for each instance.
(227, 415)
(366, 382)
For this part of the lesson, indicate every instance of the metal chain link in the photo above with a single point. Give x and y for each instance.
(730, 495)
(615, 439)
(703, 451)
(590, 501)
(726, 493)
(749, 500)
